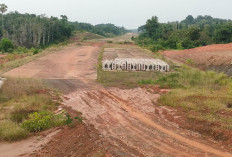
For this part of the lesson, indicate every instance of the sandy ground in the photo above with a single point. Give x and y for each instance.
(26, 147)
(69, 69)
(127, 122)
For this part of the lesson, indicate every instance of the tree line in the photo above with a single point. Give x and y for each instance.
(189, 33)
(106, 30)
(30, 30)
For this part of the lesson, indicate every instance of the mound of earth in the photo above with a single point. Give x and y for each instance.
(216, 57)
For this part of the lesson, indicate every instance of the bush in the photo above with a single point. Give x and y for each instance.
(6, 45)
(187, 44)
(39, 121)
(22, 50)
(34, 51)
(156, 48)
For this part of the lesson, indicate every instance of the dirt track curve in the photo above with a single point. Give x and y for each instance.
(128, 119)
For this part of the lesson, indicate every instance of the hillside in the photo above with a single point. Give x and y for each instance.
(216, 57)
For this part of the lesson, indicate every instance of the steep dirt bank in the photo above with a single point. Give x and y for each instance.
(214, 57)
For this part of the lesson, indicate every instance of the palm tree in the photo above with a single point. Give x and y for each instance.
(3, 9)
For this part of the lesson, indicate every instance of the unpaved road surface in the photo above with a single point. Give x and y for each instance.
(69, 69)
(130, 52)
(128, 121)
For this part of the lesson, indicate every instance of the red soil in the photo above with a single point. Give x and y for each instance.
(218, 54)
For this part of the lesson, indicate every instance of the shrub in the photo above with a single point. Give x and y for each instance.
(22, 50)
(34, 51)
(188, 44)
(156, 48)
(6, 45)
(39, 121)
(190, 62)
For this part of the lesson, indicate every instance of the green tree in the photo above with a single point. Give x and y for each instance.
(152, 27)
(6, 45)
(224, 34)
(189, 20)
(3, 9)
(194, 33)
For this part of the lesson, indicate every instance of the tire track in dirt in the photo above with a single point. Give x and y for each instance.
(126, 122)
(143, 118)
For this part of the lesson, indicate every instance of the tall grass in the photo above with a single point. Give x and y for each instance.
(19, 98)
(203, 95)
(187, 77)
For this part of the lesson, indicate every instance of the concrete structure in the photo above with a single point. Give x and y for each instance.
(131, 64)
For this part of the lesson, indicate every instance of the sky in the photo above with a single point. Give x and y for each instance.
(128, 13)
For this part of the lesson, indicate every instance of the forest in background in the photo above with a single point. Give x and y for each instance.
(30, 30)
(189, 33)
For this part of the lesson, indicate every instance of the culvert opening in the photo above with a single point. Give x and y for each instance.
(229, 105)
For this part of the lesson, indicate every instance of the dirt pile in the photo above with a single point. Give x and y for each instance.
(216, 57)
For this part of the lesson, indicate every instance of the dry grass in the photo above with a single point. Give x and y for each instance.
(19, 97)
(10, 131)
(205, 96)
(83, 36)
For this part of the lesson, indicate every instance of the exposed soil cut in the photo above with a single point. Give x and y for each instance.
(214, 57)
(79, 140)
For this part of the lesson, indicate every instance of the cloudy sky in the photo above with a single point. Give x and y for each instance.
(127, 13)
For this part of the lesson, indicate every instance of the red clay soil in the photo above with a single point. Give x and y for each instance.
(117, 122)
(77, 140)
(218, 54)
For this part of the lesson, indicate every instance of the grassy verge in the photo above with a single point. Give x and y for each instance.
(204, 96)
(26, 106)
(85, 36)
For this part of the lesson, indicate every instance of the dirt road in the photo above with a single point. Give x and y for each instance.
(69, 69)
(129, 120)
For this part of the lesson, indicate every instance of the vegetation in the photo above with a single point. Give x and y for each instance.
(29, 30)
(23, 55)
(122, 79)
(6, 45)
(203, 95)
(105, 30)
(83, 35)
(26, 105)
(189, 33)
(39, 121)
(39, 31)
